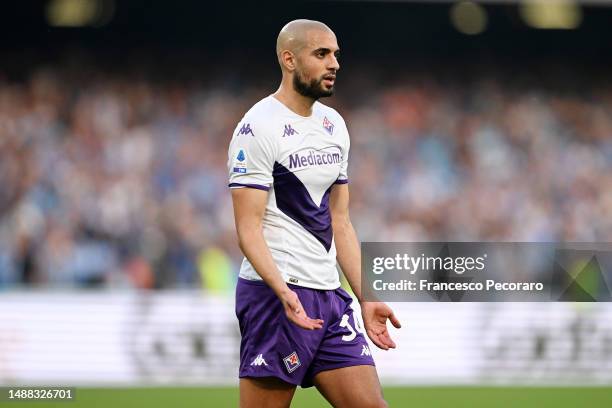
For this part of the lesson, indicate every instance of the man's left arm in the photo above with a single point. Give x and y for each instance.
(375, 314)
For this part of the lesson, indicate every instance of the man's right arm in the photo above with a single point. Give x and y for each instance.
(249, 209)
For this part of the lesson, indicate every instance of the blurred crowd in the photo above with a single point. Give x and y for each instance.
(110, 180)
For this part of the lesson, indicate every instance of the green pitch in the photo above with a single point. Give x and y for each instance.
(452, 397)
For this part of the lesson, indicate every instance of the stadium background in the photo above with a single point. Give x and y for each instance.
(117, 250)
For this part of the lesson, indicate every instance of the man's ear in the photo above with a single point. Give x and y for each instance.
(288, 60)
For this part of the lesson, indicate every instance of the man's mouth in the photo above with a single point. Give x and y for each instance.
(329, 80)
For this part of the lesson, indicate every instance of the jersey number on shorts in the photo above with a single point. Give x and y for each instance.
(345, 323)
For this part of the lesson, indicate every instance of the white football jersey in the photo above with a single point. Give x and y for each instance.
(297, 160)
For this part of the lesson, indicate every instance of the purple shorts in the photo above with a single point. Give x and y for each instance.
(272, 346)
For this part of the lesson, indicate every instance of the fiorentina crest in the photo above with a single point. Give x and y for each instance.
(292, 362)
(328, 125)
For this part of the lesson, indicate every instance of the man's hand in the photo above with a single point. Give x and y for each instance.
(375, 315)
(296, 313)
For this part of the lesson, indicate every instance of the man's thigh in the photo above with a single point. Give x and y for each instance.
(265, 392)
(355, 387)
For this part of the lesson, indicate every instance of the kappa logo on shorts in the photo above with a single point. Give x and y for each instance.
(292, 362)
(259, 360)
(365, 351)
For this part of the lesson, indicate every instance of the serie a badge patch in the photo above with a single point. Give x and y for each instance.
(240, 164)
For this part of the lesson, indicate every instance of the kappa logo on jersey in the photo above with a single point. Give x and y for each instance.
(246, 129)
(289, 131)
(240, 165)
(365, 351)
(292, 362)
(259, 360)
(328, 126)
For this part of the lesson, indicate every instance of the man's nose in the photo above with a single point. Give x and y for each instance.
(333, 63)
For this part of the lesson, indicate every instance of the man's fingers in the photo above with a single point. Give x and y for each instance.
(381, 339)
(376, 340)
(388, 341)
(316, 323)
(297, 315)
(309, 324)
(302, 315)
(394, 321)
(305, 322)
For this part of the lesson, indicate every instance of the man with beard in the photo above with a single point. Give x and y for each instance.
(288, 177)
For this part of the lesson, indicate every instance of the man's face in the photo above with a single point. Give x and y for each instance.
(317, 64)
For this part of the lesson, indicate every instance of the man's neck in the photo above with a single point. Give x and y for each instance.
(300, 104)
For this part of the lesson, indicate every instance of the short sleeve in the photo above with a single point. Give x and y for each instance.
(251, 157)
(343, 176)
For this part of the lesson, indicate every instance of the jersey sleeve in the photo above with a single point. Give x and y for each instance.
(343, 176)
(251, 157)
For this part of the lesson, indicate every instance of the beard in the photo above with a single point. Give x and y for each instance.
(313, 89)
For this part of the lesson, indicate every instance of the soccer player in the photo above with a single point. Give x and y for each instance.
(288, 177)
